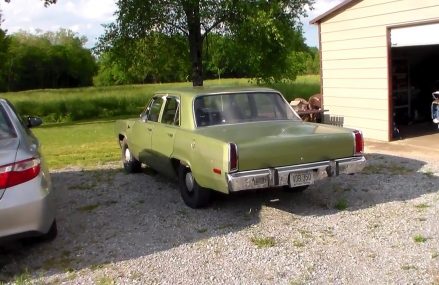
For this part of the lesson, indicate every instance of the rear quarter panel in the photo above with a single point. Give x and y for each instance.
(121, 127)
(202, 154)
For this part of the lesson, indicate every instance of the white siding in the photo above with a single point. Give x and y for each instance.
(355, 61)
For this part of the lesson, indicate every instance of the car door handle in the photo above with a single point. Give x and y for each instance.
(170, 135)
(149, 129)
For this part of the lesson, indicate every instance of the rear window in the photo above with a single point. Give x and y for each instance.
(241, 107)
(6, 129)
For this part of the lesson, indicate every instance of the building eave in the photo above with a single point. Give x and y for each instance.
(337, 9)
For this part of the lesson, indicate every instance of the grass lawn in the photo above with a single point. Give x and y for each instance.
(86, 144)
(78, 104)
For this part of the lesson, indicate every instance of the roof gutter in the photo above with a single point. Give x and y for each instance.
(337, 9)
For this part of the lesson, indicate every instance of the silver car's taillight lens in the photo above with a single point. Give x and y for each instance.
(19, 172)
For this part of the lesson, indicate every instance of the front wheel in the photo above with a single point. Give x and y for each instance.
(193, 194)
(130, 163)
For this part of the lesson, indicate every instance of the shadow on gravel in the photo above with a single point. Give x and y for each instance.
(107, 216)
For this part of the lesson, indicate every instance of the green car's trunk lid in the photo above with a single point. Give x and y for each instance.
(282, 143)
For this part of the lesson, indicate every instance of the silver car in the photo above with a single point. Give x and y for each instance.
(27, 206)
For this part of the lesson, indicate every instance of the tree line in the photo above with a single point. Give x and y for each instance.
(166, 41)
(44, 60)
(60, 60)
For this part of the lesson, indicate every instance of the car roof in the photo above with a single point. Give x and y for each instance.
(202, 90)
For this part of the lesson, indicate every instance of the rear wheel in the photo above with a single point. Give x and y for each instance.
(193, 194)
(130, 164)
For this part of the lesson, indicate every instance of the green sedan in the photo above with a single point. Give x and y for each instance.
(234, 139)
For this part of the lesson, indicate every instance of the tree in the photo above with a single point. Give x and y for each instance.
(46, 60)
(4, 46)
(46, 2)
(254, 22)
(157, 58)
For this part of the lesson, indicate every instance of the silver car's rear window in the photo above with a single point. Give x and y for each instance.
(6, 129)
(243, 107)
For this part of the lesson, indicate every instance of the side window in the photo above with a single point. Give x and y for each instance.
(171, 112)
(6, 129)
(153, 110)
(12, 107)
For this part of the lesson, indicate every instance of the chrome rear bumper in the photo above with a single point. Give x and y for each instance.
(279, 176)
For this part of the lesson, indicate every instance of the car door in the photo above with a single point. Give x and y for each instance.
(142, 130)
(164, 135)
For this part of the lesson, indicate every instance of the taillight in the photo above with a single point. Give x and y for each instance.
(359, 143)
(19, 172)
(233, 157)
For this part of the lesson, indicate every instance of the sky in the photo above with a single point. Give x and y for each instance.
(85, 17)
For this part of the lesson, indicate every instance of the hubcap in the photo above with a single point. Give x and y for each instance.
(189, 180)
(127, 155)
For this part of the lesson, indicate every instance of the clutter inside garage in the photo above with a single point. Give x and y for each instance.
(415, 76)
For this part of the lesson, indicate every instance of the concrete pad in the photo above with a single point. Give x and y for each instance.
(421, 146)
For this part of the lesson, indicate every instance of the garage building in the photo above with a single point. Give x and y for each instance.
(380, 65)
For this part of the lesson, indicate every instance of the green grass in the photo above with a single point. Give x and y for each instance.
(419, 239)
(88, 208)
(341, 204)
(105, 280)
(392, 169)
(408, 267)
(263, 242)
(71, 105)
(422, 206)
(298, 243)
(82, 144)
(303, 87)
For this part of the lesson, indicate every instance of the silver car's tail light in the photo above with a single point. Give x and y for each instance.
(359, 143)
(19, 172)
(233, 157)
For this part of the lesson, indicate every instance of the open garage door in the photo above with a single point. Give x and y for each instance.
(415, 36)
(414, 76)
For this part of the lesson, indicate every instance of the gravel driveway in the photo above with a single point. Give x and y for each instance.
(380, 226)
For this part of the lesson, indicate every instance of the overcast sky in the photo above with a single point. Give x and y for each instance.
(85, 17)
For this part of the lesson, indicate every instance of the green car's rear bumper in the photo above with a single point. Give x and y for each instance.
(280, 176)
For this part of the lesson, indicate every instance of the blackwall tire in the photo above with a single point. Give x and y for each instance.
(193, 194)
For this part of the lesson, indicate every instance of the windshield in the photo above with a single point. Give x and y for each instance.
(241, 107)
(6, 129)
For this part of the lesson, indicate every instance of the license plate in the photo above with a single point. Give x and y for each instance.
(301, 178)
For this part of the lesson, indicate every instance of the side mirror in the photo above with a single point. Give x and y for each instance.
(33, 121)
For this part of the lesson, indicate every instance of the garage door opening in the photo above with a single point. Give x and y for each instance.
(414, 76)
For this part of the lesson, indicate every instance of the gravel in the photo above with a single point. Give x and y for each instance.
(380, 226)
